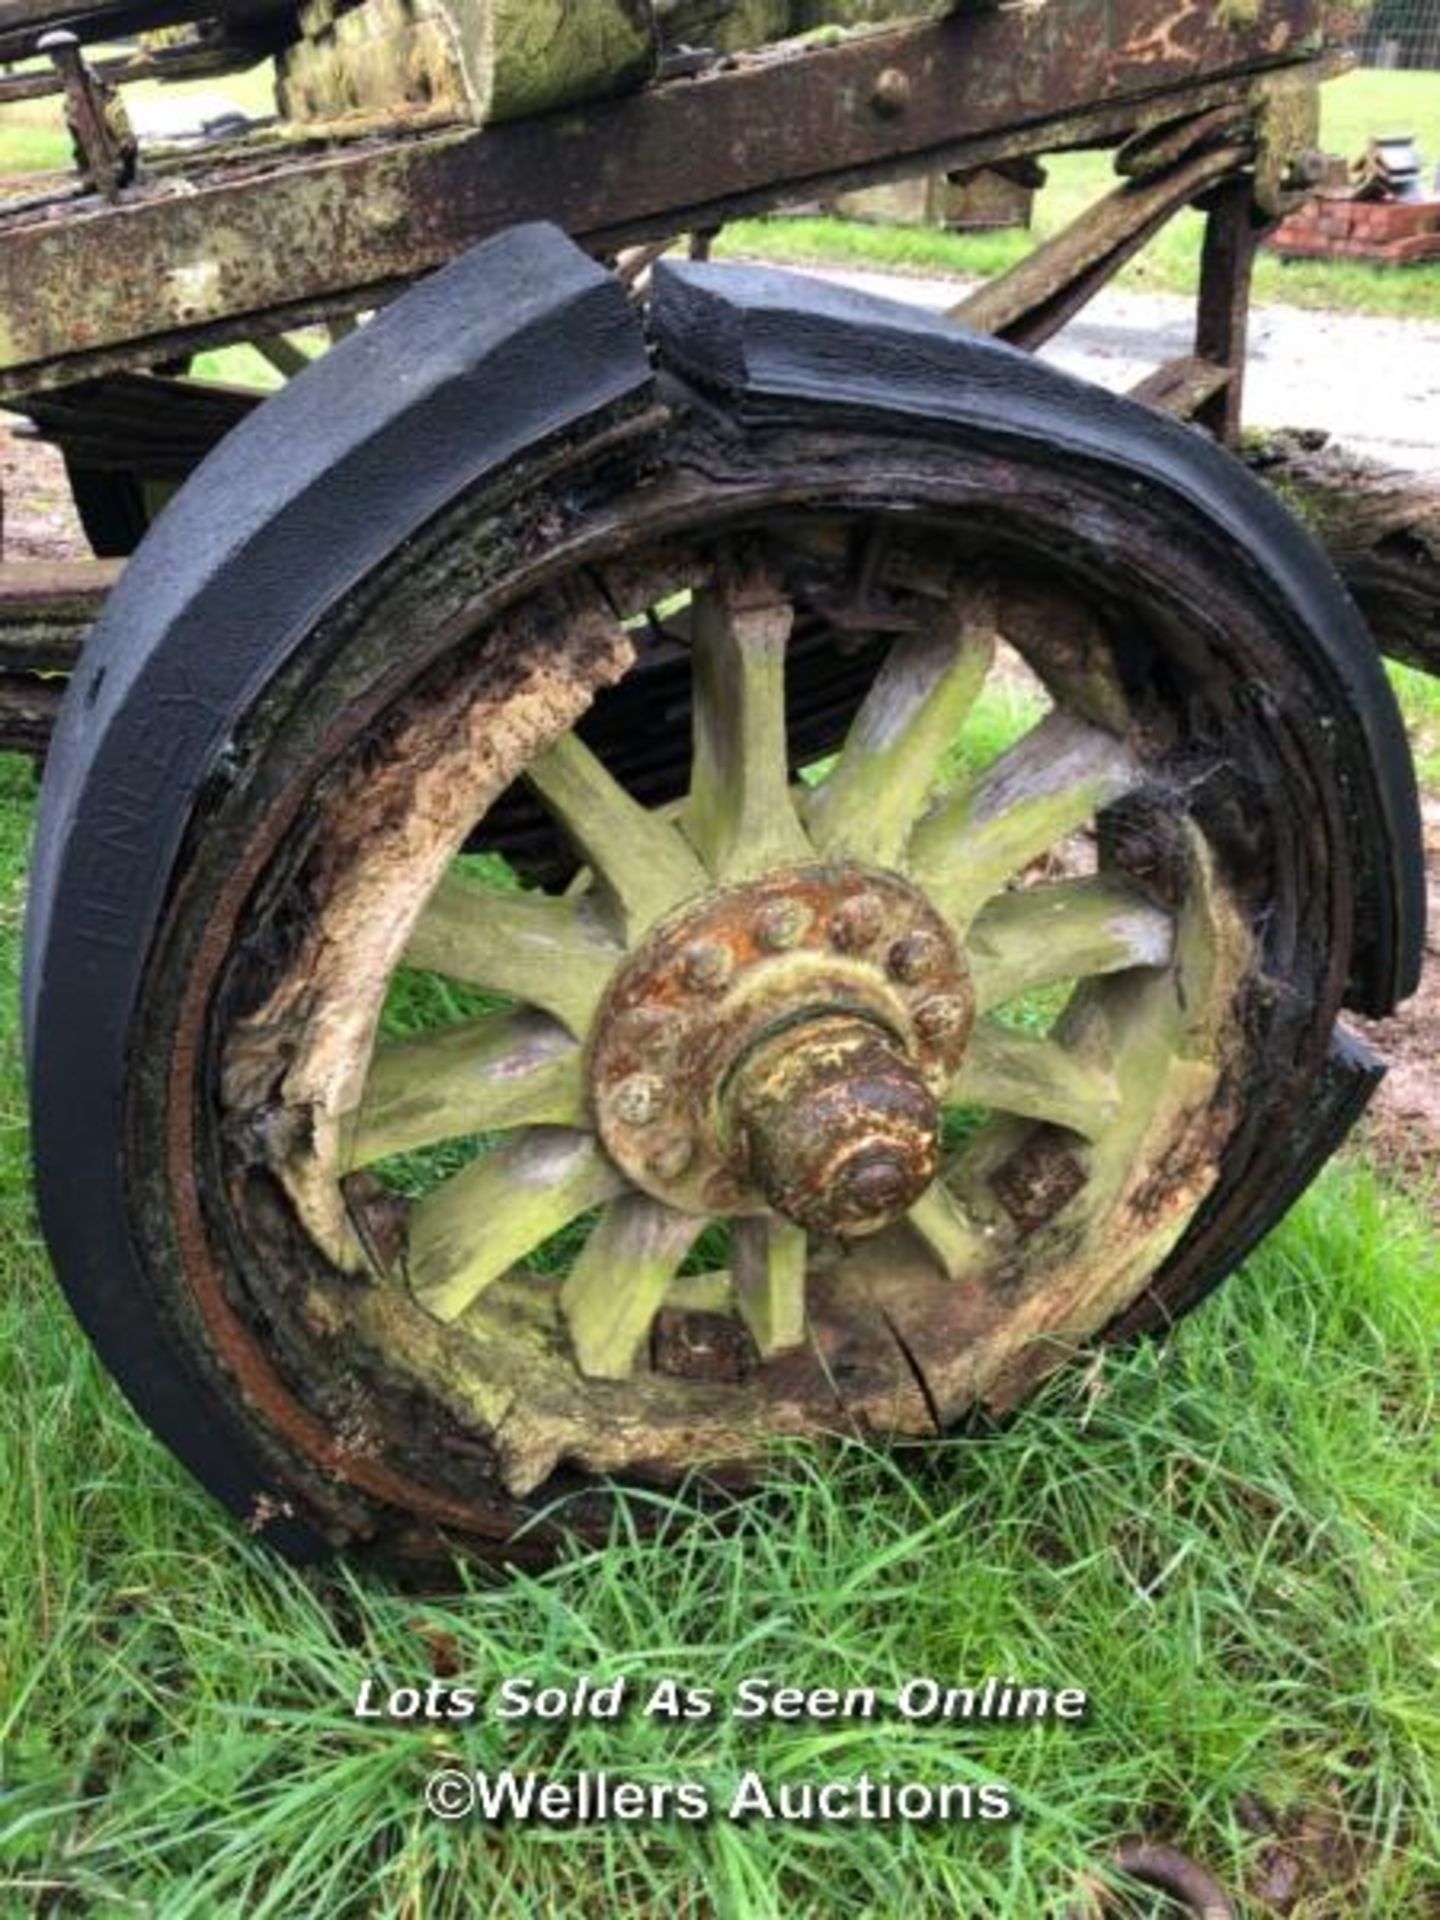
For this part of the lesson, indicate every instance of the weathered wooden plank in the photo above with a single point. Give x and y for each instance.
(29, 708)
(1381, 529)
(484, 60)
(1222, 325)
(47, 608)
(952, 1238)
(1182, 386)
(479, 1076)
(640, 859)
(1035, 1079)
(1032, 302)
(1051, 782)
(1063, 930)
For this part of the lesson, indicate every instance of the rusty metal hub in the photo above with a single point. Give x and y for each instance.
(781, 1046)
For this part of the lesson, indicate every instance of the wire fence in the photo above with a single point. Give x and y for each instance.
(1402, 34)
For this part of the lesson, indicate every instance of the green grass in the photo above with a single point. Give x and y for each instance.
(1419, 697)
(32, 132)
(1357, 106)
(1229, 1540)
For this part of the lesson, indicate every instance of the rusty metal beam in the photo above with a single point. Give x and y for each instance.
(1233, 232)
(46, 610)
(1182, 386)
(186, 261)
(139, 422)
(1031, 303)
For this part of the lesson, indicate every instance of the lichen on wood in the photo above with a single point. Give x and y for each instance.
(484, 60)
(1380, 528)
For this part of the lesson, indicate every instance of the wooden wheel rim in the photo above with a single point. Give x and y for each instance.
(686, 1421)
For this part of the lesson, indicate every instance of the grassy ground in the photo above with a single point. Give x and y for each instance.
(1230, 1541)
(33, 136)
(1356, 107)
(1419, 696)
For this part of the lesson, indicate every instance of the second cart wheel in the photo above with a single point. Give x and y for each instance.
(502, 1100)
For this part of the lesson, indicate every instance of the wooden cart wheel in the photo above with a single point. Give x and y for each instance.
(809, 1094)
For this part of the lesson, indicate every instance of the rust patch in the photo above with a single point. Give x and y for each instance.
(701, 1346)
(716, 982)
(1036, 1182)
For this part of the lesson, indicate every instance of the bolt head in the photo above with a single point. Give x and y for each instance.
(858, 923)
(875, 1185)
(781, 924)
(707, 965)
(941, 1017)
(637, 1101)
(891, 94)
(918, 957)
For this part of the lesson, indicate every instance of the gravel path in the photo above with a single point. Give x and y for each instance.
(1375, 384)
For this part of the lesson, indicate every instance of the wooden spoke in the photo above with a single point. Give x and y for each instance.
(947, 1230)
(767, 1264)
(741, 817)
(620, 1280)
(479, 1076)
(550, 953)
(1049, 784)
(893, 755)
(1158, 1036)
(1164, 1034)
(639, 858)
(1064, 930)
(1039, 1079)
(1064, 641)
(484, 1219)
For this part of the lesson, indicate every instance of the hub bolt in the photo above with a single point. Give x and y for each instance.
(643, 1030)
(708, 965)
(637, 1100)
(781, 925)
(858, 923)
(941, 1016)
(918, 957)
(891, 94)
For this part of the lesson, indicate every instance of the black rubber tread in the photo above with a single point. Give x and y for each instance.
(764, 337)
(522, 339)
